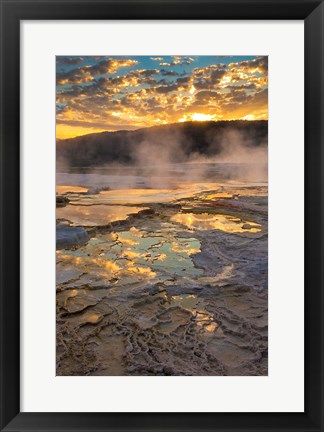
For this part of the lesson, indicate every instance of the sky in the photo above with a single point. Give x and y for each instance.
(104, 93)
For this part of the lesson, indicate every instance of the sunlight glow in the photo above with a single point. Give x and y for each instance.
(198, 117)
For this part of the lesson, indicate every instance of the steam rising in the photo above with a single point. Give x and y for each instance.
(163, 158)
(238, 159)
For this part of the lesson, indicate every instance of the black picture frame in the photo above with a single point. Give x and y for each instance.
(12, 12)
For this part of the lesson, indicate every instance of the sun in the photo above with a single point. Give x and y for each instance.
(202, 117)
(198, 117)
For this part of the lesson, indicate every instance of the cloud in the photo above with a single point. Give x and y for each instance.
(177, 61)
(207, 95)
(166, 88)
(68, 61)
(102, 95)
(165, 72)
(87, 73)
(209, 77)
(259, 64)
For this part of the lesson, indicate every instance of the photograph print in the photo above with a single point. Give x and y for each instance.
(162, 215)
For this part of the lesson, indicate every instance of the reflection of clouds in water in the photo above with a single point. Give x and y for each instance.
(143, 271)
(206, 221)
(202, 318)
(62, 189)
(142, 196)
(86, 262)
(133, 256)
(93, 215)
(184, 248)
(104, 267)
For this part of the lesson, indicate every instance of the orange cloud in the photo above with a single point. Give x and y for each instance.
(93, 99)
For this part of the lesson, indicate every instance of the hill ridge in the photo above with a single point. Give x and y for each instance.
(178, 140)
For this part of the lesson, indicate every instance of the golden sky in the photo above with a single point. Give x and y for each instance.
(96, 94)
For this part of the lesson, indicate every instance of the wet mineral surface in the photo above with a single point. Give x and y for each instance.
(162, 282)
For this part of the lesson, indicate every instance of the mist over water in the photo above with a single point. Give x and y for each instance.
(163, 161)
